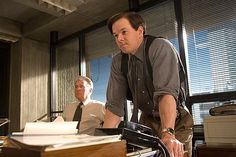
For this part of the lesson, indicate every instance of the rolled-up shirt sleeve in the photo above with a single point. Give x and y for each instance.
(116, 89)
(165, 69)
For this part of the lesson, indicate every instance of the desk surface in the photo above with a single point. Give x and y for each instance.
(101, 150)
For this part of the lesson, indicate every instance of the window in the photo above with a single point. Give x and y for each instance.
(99, 47)
(201, 110)
(100, 71)
(211, 31)
(160, 21)
(211, 49)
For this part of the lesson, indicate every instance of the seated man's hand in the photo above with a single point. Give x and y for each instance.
(59, 119)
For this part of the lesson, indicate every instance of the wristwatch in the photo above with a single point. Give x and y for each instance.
(170, 131)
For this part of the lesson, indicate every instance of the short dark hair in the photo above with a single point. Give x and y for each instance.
(134, 19)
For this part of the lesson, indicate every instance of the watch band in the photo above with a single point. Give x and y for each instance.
(168, 130)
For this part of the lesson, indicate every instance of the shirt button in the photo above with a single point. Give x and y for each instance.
(138, 79)
(143, 92)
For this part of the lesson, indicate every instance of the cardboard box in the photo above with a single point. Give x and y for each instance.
(220, 129)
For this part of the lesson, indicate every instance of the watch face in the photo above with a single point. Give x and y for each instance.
(172, 131)
(169, 130)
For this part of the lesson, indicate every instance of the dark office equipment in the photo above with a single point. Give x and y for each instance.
(226, 109)
(137, 137)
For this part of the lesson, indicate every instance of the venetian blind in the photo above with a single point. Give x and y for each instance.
(160, 21)
(211, 49)
(211, 31)
(99, 43)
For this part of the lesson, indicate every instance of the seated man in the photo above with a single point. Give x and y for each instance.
(93, 111)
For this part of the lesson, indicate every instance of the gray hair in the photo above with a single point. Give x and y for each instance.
(84, 78)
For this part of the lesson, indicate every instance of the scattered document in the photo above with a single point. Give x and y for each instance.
(56, 135)
(50, 128)
(53, 142)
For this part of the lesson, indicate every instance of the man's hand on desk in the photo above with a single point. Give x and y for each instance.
(174, 146)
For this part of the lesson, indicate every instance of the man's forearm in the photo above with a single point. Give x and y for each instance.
(167, 110)
(111, 120)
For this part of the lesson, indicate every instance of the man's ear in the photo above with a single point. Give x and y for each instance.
(140, 30)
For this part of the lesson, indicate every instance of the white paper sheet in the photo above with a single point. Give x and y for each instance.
(50, 128)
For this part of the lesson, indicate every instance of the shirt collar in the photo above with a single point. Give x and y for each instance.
(86, 101)
(139, 52)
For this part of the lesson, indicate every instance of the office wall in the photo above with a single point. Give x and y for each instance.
(28, 82)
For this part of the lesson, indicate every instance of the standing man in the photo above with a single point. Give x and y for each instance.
(161, 108)
(89, 113)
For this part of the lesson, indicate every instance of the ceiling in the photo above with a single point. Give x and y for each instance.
(35, 19)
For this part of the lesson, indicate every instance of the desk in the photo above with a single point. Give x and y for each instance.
(101, 150)
(216, 150)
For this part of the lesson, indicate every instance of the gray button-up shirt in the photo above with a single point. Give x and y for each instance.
(164, 62)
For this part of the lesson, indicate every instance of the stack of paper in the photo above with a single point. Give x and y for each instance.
(49, 128)
(52, 136)
(55, 142)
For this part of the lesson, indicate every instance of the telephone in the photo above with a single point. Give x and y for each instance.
(137, 136)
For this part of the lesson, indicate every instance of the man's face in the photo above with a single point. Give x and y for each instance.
(127, 38)
(82, 90)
